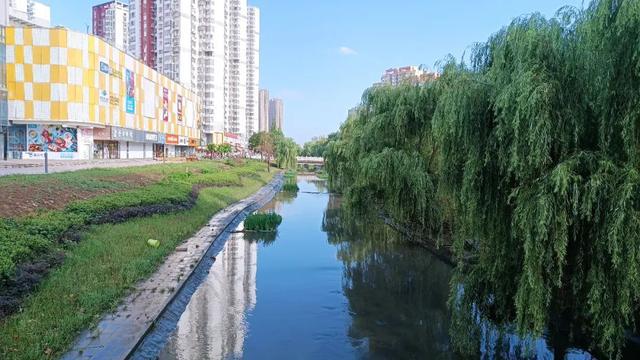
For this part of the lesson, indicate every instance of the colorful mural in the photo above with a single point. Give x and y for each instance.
(51, 138)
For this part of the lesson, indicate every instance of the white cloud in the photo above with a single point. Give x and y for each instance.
(345, 50)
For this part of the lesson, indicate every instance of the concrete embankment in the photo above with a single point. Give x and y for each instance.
(120, 333)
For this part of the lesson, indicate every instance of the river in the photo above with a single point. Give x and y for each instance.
(325, 287)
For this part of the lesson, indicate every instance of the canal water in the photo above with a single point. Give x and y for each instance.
(324, 287)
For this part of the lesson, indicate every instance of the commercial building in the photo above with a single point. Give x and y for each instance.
(28, 13)
(75, 96)
(4, 13)
(211, 47)
(263, 110)
(406, 75)
(111, 23)
(142, 31)
(4, 121)
(276, 114)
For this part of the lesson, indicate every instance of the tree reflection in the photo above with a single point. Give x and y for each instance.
(397, 293)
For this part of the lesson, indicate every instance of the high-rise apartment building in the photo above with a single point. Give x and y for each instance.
(406, 75)
(4, 13)
(212, 67)
(210, 46)
(142, 31)
(177, 40)
(28, 13)
(276, 114)
(253, 69)
(263, 110)
(236, 121)
(111, 23)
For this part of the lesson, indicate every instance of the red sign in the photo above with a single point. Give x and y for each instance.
(171, 139)
(165, 104)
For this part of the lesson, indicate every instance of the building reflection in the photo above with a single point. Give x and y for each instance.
(214, 325)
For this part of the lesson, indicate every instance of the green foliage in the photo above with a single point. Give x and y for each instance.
(101, 269)
(530, 152)
(26, 238)
(262, 222)
(317, 146)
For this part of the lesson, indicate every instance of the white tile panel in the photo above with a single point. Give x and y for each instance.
(10, 54)
(28, 91)
(41, 73)
(59, 92)
(19, 72)
(40, 36)
(28, 55)
(42, 110)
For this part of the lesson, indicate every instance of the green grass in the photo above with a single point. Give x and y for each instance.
(262, 222)
(26, 238)
(98, 271)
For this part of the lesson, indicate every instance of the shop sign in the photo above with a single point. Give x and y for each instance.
(171, 139)
(138, 136)
(183, 140)
(150, 137)
(122, 134)
(193, 142)
(114, 100)
(179, 110)
(130, 106)
(116, 73)
(102, 133)
(104, 67)
(161, 139)
(104, 97)
(33, 155)
(165, 104)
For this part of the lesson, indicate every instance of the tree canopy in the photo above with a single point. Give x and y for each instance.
(529, 153)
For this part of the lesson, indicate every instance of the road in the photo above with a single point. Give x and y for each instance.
(31, 167)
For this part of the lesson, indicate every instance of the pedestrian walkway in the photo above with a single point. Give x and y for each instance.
(30, 167)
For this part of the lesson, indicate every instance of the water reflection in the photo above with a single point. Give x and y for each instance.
(332, 285)
(214, 326)
(397, 293)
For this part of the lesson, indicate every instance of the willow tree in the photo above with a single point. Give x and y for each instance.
(534, 144)
(539, 139)
(384, 156)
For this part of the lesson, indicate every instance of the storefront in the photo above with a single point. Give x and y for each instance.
(158, 147)
(171, 143)
(103, 146)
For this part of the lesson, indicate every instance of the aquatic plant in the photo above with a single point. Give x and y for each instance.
(262, 222)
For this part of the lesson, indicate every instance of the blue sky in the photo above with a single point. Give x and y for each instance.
(320, 55)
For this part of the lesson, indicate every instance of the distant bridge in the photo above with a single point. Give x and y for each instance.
(311, 160)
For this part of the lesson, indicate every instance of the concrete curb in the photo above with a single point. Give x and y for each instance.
(119, 334)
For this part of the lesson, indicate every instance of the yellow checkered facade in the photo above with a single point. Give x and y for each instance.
(55, 76)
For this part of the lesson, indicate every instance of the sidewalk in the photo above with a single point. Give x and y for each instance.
(30, 167)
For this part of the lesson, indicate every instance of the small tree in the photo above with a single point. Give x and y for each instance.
(212, 148)
(224, 149)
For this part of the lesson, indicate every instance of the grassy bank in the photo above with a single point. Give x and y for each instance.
(110, 258)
